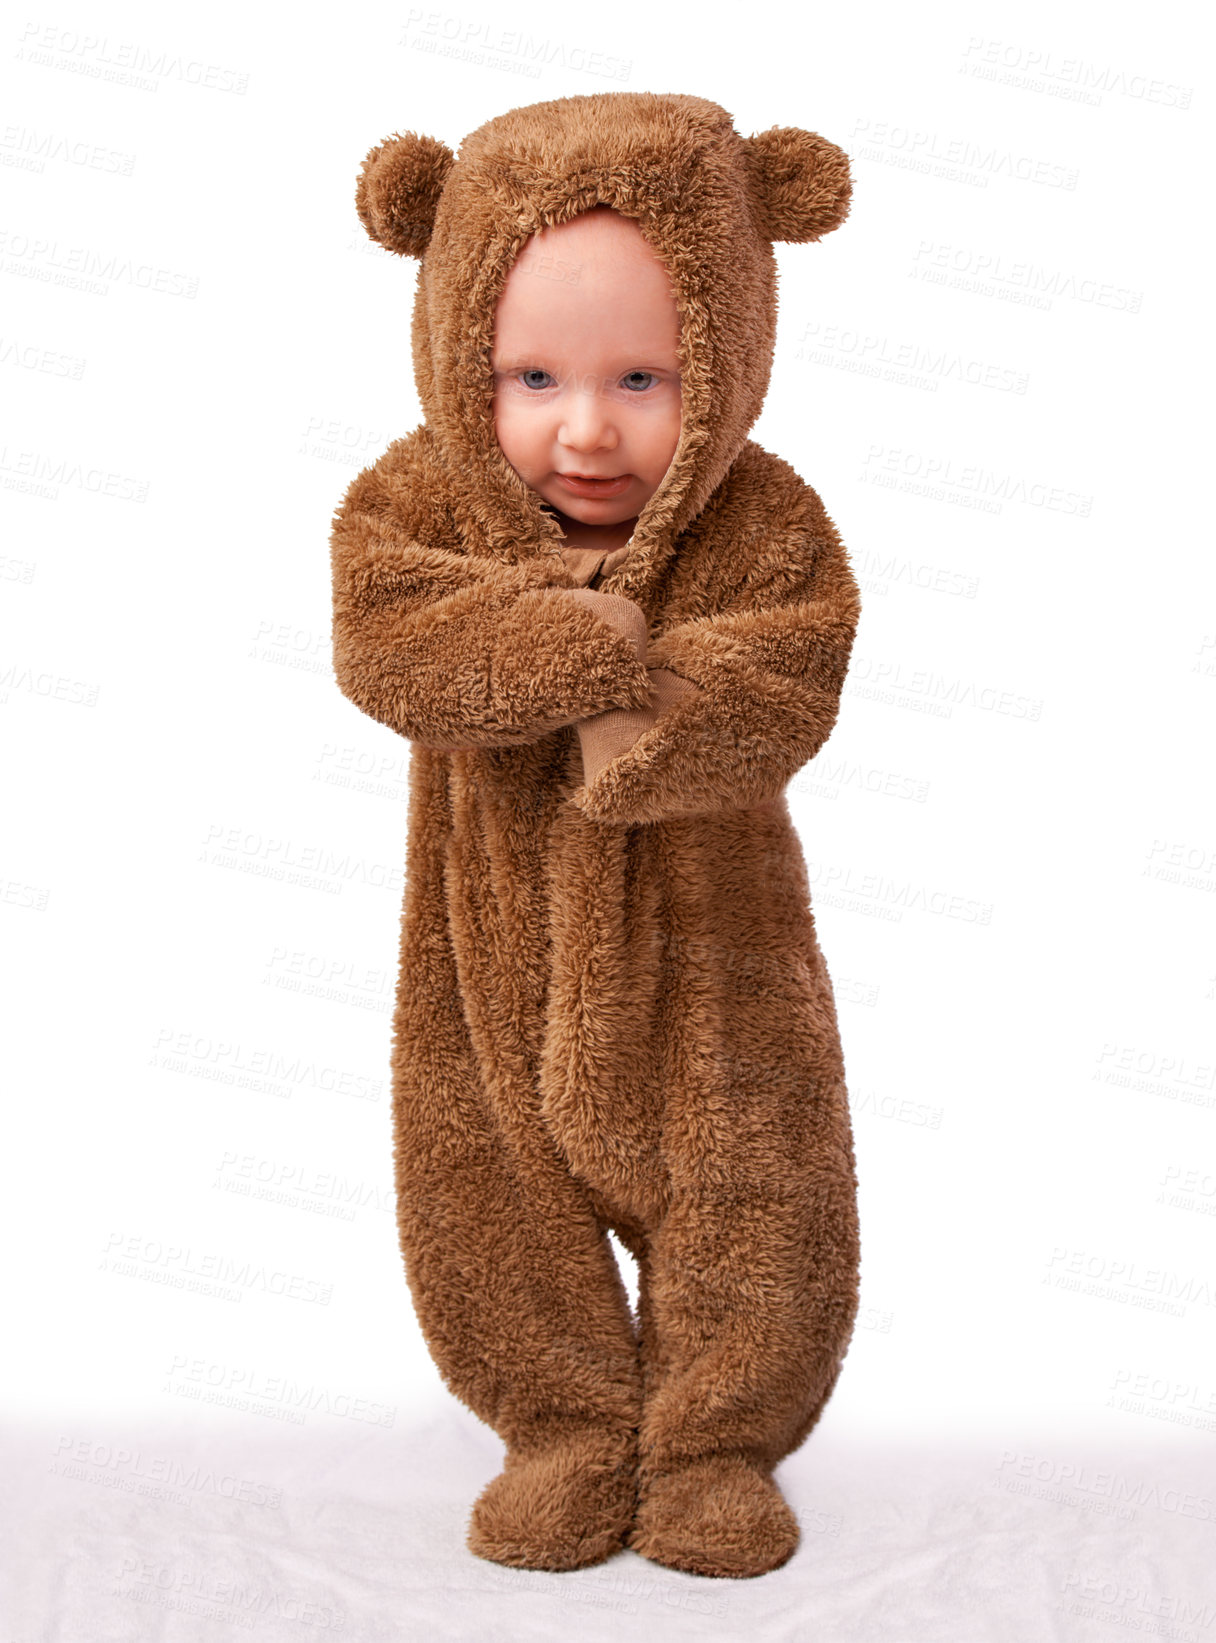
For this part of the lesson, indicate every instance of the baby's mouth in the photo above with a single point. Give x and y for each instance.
(582, 485)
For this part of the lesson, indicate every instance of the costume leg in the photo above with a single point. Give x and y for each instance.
(747, 1301)
(747, 1304)
(513, 1280)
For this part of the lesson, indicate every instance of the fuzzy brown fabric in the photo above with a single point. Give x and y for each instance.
(613, 1011)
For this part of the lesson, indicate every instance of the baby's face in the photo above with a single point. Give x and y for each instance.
(586, 372)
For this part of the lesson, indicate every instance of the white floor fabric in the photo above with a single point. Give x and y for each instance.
(181, 1534)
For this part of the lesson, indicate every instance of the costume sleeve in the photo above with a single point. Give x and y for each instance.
(768, 674)
(454, 651)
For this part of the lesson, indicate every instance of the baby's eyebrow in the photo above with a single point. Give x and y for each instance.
(540, 352)
(539, 361)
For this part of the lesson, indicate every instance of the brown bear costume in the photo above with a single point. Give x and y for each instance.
(612, 1010)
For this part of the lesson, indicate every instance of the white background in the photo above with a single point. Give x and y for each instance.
(995, 374)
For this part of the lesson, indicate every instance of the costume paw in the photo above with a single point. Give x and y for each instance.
(559, 1508)
(718, 1516)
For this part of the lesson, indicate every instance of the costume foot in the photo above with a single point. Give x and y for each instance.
(717, 1516)
(558, 1508)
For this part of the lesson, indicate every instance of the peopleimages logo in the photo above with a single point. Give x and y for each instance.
(1010, 279)
(956, 159)
(937, 476)
(1074, 79)
(831, 344)
(123, 61)
(79, 267)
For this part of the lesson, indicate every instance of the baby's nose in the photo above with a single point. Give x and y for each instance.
(587, 415)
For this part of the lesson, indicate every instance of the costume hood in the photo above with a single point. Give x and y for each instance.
(709, 201)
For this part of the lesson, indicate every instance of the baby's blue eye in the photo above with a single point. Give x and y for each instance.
(631, 379)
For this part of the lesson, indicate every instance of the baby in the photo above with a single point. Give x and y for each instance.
(613, 627)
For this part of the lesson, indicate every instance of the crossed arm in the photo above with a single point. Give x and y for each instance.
(745, 698)
(456, 652)
(718, 713)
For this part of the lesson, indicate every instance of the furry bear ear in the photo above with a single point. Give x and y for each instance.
(800, 183)
(398, 191)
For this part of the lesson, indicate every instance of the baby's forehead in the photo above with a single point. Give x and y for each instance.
(601, 234)
(600, 256)
(590, 284)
